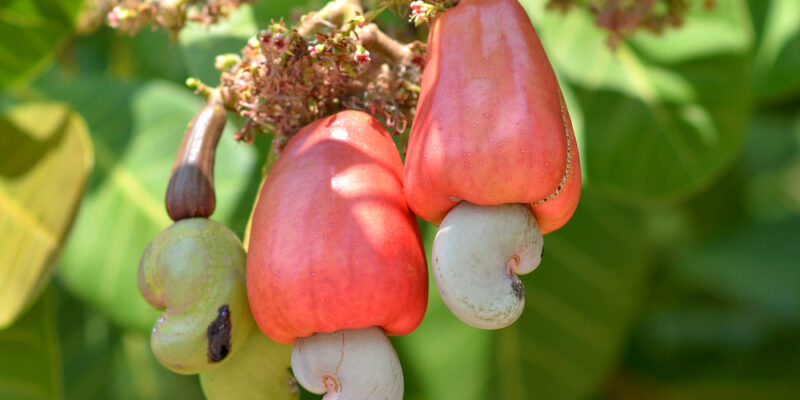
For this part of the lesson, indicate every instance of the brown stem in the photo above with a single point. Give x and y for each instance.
(336, 12)
(190, 192)
(374, 40)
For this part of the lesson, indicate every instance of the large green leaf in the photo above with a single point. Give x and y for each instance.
(136, 132)
(268, 11)
(102, 361)
(777, 57)
(148, 55)
(201, 45)
(754, 265)
(579, 305)
(664, 116)
(722, 320)
(87, 343)
(751, 273)
(30, 366)
(45, 154)
(30, 32)
(138, 375)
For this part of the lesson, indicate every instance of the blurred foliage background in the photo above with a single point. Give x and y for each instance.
(678, 277)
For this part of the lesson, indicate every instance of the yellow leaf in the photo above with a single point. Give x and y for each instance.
(45, 160)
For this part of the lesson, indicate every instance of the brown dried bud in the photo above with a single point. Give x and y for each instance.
(191, 186)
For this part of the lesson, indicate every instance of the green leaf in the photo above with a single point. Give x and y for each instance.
(754, 265)
(30, 32)
(771, 375)
(138, 375)
(87, 343)
(268, 11)
(102, 361)
(201, 45)
(777, 57)
(45, 154)
(663, 116)
(579, 305)
(136, 132)
(150, 54)
(30, 367)
(722, 320)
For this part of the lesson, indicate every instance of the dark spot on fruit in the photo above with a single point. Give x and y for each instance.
(517, 287)
(219, 335)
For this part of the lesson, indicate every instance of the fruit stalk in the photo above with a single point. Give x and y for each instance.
(190, 193)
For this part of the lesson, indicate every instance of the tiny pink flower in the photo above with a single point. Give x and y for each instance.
(114, 17)
(362, 55)
(279, 41)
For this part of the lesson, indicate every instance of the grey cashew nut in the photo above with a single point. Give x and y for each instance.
(478, 253)
(355, 364)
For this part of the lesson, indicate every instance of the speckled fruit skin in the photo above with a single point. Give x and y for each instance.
(333, 244)
(491, 125)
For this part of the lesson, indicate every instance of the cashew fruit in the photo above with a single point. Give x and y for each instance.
(333, 244)
(492, 157)
(491, 125)
(195, 271)
(260, 370)
(335, 258)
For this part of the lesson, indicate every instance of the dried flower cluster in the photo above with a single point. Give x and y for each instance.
(283, 81)
(337, 59)
(132, 15)
(623, 17)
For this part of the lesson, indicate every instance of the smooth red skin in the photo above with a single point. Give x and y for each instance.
(491, 125)
(333, 244)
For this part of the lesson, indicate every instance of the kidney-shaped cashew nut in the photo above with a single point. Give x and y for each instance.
(354, 364)
(478, 253)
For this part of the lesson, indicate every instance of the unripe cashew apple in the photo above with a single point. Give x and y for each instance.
(259, 371)
(195, 271)
(333, 245)
(491, 128)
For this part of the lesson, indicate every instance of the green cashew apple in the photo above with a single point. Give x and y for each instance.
(195, 271)
(259, 371)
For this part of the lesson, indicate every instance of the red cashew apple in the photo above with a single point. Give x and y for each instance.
(492, 157)
(336, 259)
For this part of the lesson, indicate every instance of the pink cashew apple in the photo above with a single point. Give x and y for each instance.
(336, 258)
(491, 129)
